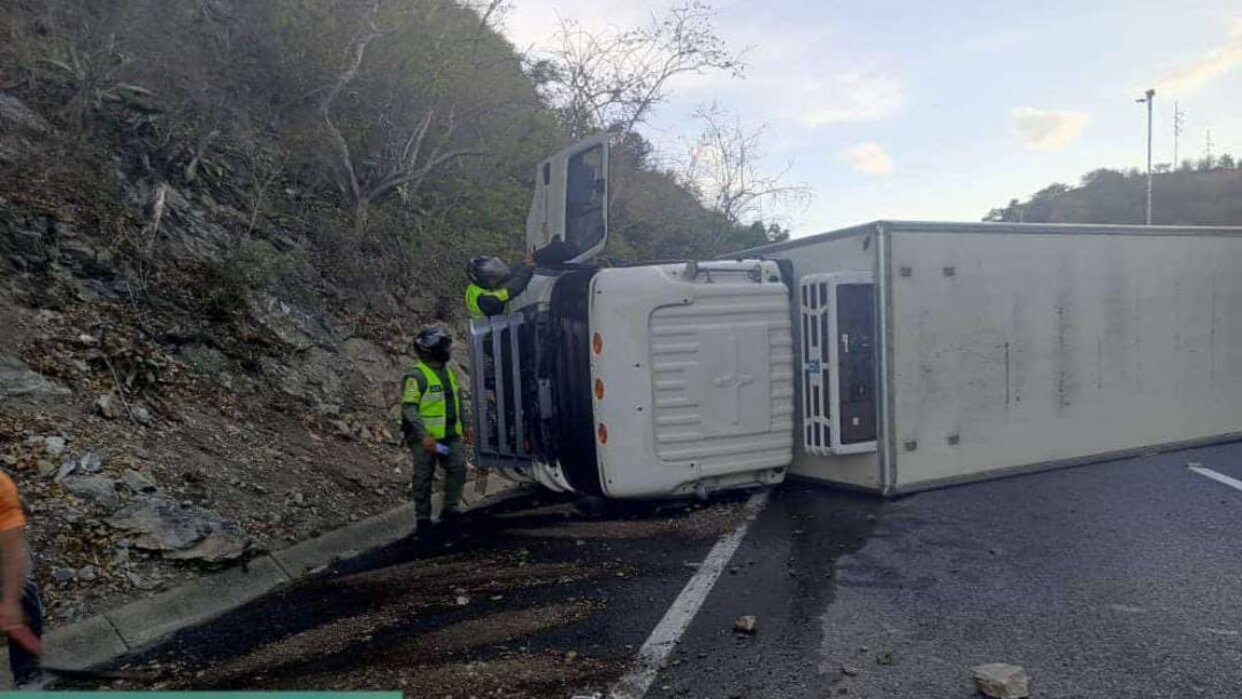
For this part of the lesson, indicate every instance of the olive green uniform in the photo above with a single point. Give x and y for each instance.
(431, 405)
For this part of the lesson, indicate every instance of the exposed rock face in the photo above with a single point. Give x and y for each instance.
(18, 126)
(137, 482)
(187, 233)
(99, 489)
(373, 374)
(109, 405)
(292, 325)
(20, 381)
(18, 117)
(180, 532)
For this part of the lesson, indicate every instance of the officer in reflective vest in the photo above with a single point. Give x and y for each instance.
(492, 284)
(434, 425)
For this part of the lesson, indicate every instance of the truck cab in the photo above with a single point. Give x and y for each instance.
(649, 381)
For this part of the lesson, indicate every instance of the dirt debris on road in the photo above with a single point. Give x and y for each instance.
(694, 521)
(429, 664)
(539, 620)
(402, 594)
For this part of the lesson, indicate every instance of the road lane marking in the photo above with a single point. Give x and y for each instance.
(1218, 477)
(677, 618)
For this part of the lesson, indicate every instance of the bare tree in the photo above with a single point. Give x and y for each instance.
(723, 168)
(613, 80)
(416, 140)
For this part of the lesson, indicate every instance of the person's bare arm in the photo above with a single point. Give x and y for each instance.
(13, 569)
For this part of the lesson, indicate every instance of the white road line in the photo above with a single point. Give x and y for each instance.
(1218, 477)
(668, 632)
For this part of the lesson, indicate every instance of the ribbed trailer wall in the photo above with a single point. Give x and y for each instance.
(1010, 347)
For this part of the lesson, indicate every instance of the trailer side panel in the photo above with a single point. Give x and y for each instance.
(1013, 349)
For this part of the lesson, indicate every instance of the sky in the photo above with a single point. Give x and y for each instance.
(943, 110)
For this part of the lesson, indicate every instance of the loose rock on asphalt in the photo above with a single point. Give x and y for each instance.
(745, 624)
(1001, 681)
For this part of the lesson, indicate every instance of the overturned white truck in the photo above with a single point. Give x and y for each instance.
(889, 357)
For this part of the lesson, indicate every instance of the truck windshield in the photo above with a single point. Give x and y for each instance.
(584, 199)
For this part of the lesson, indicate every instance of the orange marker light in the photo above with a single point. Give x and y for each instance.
(599, 389)
(602, 432)
(597, 343)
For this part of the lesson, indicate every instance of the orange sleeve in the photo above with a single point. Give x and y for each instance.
(11, 516)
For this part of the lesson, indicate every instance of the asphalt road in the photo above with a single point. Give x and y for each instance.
(1113, 580)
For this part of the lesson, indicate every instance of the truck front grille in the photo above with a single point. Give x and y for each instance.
(503, 432)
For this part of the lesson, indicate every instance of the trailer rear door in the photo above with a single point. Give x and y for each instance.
(838, 363)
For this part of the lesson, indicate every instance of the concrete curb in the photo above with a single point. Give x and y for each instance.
(140, 624)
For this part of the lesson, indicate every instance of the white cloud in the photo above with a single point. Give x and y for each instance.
(869, 158)
(795, 91)
(1044, 130)
(805, 79)
(1208, 66)
(859, 96)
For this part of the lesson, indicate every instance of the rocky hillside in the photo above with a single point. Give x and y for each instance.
(158, 421)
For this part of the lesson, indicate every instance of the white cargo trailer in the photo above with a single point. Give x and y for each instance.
(887, 357)
(935, 353)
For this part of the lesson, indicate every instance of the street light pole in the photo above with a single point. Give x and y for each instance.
(1148, 99)
(1178, 116)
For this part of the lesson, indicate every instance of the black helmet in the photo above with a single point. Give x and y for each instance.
(487, 272)
(432, 343)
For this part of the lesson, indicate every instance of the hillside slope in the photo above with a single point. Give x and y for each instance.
(260, 420)
(1208, 197)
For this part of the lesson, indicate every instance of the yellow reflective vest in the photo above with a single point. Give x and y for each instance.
(474, 292)
(432, 408)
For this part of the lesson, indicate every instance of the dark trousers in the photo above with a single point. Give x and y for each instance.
(454, 465)
(24, 664)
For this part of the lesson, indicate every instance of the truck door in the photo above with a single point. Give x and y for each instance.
(568, 219)
(838, 362)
